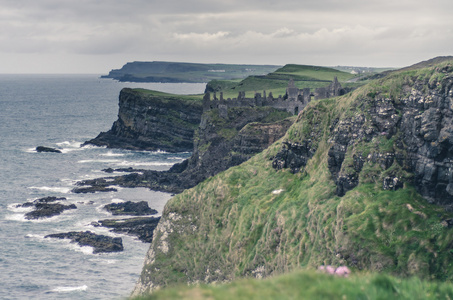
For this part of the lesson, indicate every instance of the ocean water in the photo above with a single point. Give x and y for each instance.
(63, 111)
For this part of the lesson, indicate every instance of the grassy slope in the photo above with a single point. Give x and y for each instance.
(163, 95)
(245, 227)
(277, 82)
(312, 285)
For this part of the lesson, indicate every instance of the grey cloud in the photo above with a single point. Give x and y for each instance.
(265, 31)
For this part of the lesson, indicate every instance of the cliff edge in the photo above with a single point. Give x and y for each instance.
(153, 121)
(363, 180)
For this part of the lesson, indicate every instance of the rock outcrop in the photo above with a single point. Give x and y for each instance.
(141, 227)
(408, 136)
(100, 243)
(47, 149)
(220, 143)
(46, 208)
(153, 122)
(130, 208)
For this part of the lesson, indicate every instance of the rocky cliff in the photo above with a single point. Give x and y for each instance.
(352, 183)
(153, 121)
(220, 142)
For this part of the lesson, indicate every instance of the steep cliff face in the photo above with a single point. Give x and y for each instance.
(220, 143)
(347, 185)
(391, 137)
(148, 121)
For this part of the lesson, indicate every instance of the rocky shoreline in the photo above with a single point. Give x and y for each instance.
(46, 208)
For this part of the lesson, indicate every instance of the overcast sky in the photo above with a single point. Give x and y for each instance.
(94, 36)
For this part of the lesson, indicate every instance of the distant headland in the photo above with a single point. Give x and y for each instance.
(160, 71)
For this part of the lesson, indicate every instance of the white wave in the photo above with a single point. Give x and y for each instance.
(16, 217)
(72, 144)
(151, 163)
(68, 146)
(13, 207)
(176, 158)
(55, 219)
(89, 146)
(68, 289)
(35, 236)
(84, 161)
(111, 154)
(64, 190)
(117, 200)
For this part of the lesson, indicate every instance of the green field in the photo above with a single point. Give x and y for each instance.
(276, 82)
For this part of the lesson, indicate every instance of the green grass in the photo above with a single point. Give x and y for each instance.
(314, 72)
(304, 77)
(163, 95)
(313, 285)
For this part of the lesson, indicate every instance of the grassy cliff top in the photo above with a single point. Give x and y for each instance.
(276, 82)
(163, 95)
(308, 285)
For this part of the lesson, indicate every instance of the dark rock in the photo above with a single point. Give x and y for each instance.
(41, 200)
(392, 183)
(100, 243)
(93, 186)
(47, 210)
(142, 227)
(47, 149)
(44, 208)
(130, 208)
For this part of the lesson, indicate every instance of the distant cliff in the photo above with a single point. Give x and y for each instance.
(353, 182)
(161, 71)
(153, 121)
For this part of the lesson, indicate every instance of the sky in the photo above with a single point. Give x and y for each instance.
(95, 36)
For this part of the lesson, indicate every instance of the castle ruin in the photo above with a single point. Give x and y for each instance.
(293, 101)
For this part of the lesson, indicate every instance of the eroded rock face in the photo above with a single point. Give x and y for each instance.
(408, 138)
(152, 123)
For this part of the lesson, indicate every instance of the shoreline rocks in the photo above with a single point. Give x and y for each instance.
(45, 208)
(47, 149)
(142, 227)
(130, 208)
(100, 243)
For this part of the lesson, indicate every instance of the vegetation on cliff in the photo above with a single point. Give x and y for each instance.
(308, 285)
(276, 213)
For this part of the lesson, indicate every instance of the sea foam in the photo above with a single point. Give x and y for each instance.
(68, 289)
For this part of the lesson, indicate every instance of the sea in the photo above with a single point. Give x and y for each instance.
(63, 111)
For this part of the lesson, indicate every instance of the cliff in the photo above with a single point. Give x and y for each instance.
(162, 71)
(363, 180)
(219, 143)
(153, 121)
